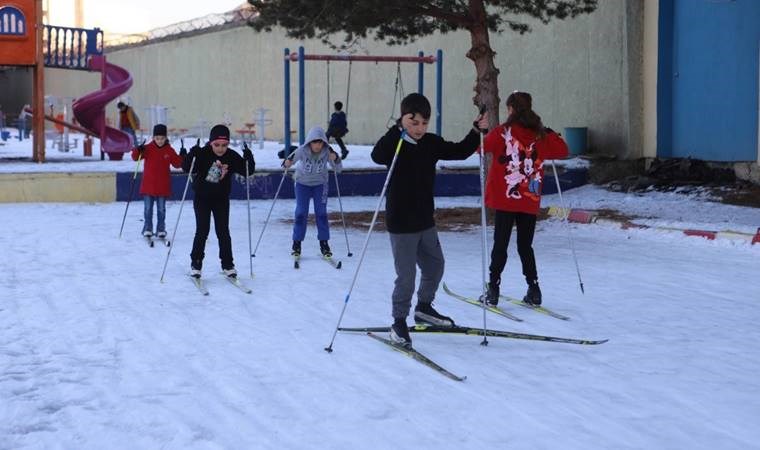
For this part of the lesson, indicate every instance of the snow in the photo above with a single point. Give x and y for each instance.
(96, 352)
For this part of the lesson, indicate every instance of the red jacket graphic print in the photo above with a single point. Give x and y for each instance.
(516, 176)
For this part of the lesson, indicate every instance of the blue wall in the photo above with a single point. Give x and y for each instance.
(369, 183)
(707, 106)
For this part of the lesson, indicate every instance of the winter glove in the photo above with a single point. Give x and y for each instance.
(197, 145)
(141, 148)
(182, 150)
(247, 153)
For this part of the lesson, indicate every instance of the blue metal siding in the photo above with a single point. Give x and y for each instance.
(708, 79)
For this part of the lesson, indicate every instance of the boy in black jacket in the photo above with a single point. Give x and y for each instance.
(409, 209)
(211, 179)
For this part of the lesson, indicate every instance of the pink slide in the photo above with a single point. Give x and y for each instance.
(89, 110)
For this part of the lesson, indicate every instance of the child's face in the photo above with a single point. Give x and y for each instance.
(219, 147)
(316, 146)
(159, 140)
(416, 126)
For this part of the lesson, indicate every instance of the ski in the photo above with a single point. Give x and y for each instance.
(164, 241)
(149, 241)
(417, 356)
(332, 262)
(238, 284)
(199, 284)
(476, 302)
(539, 309)
(470, 331)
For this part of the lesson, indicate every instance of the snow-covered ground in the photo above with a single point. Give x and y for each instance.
(96, 352)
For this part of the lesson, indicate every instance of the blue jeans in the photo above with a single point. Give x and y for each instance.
(131, 134)
(304, 194)
(148, 213)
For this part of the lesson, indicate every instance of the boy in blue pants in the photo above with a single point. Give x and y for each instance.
(311, 178)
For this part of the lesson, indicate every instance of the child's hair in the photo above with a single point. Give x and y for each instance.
(338, 106)
(415, 104)
(523, 114)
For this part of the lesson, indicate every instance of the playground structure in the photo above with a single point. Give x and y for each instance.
(25, 41)
(301, 57)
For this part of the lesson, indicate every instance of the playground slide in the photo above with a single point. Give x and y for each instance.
(89, 110)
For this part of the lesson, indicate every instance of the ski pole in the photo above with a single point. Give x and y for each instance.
(328, 349)
(342, 216)
(179, 214)
(269, 214)
(483, 229)
(131, 191)
(569, 230)
(248, 199)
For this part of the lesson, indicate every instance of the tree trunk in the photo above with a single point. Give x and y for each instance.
(486, 85)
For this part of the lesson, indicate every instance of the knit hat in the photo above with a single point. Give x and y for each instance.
(159, 130)
(219, 132)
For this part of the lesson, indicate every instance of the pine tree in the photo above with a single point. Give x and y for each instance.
(402, 21)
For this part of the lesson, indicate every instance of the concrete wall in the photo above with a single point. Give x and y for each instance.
(582, 72)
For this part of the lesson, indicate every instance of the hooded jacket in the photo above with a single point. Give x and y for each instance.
(311, 168)
(209, 181)
(516, 176)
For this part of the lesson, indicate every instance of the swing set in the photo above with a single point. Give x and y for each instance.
(301, 57)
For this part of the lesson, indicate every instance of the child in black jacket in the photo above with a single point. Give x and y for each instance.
(409, 209)
(211, 180)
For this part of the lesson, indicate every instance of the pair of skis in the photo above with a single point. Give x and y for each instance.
(151, 241)
(198, 282)
(328, 259)
(502, 312)
(469, 331)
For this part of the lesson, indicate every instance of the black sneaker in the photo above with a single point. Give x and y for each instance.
(324, 247)
(491, 296)
(533, 296)
(296, 248)
(400, 333)
(425, 313)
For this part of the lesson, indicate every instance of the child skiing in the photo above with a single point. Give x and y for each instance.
(513, 189)
(311, 179)
(159, 157)
(409, 209)
(212, 181)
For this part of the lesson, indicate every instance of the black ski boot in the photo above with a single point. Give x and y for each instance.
(195, 268)
(296, 248)
(491, 296)
(533, 296)
(425, 313)
(400, 333)
(324, 247)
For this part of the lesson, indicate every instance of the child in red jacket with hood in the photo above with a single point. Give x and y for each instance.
(156, 180)
(513, 188)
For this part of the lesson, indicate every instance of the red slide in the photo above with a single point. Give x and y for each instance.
(89, 110)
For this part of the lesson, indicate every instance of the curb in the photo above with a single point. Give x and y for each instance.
(587, 216)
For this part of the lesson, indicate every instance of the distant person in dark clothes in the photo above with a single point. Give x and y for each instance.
(212, 182)
(409, 209)
(338, 128)
(128, 121)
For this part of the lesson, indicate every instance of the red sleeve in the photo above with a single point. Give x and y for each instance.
(494, 142)
(552, 146)
(135, 154)
(175, 160)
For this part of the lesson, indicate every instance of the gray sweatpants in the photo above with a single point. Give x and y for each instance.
(410, 250)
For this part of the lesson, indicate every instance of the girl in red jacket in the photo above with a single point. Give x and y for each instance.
(156, 179)
(513, 188)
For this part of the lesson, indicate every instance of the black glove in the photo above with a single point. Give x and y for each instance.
(247, 153)
(183, 152)
(197, 145)
(141, 147)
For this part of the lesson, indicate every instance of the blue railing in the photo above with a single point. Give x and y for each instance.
(69, 48)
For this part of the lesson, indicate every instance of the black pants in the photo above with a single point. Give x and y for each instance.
(220, 208)
(526, 227)
(339, 140)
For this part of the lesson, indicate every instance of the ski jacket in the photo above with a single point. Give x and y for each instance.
(338, 126)
(209, 178)
(156, 179)
(516, 176)
(311, 168)
(409, 205)
(128, 119)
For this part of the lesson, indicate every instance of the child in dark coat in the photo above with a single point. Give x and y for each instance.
(409, 209)
(212, 182)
